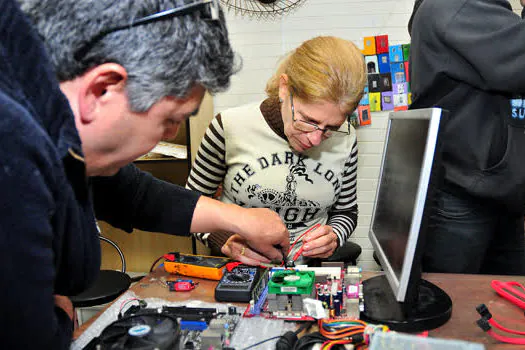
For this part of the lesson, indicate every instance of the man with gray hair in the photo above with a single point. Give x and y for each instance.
(132, 72)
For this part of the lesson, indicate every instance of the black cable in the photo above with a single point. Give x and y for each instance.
(137, 278)
(304, 326)
(306, 341)
(261, 342)
(289, 339)
(286, 341)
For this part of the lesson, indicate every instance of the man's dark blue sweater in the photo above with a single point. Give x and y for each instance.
(48, 241)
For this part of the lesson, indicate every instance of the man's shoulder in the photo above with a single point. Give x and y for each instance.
(443, 7)
(16, 115)
(434, 18)
(452, 7)
(21, 135)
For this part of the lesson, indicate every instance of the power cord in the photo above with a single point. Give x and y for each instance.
(308, 340)
(286, 341)
(289, 339)
(137, 278)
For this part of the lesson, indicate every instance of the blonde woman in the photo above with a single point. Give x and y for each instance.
(294, 152)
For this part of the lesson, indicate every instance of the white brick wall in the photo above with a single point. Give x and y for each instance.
(261, 43)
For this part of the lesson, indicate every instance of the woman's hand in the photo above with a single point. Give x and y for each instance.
(237, 248)
(320, 243)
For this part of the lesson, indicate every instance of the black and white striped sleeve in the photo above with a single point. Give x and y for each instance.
(208, 171)
(209, 167)
(343, 215)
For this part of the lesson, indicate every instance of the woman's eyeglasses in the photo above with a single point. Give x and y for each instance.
(306, 126)
(210, 10)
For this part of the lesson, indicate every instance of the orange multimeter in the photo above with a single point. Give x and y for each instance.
(202, 266)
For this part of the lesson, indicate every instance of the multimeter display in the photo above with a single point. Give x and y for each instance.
(208, 267)
(237, 285)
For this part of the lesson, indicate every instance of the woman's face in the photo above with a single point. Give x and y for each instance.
(307, 124)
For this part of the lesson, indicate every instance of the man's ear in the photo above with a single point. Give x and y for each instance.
(100, 85)
(283, 87)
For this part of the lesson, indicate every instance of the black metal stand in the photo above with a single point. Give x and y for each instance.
(432, 309)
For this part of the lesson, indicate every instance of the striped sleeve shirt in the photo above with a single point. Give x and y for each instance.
(208, 173)
(343, 215)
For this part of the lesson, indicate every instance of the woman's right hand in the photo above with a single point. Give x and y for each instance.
(237, 248)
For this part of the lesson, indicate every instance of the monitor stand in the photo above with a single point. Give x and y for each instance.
(432, 309)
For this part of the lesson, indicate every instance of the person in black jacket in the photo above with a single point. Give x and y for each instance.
(127, 80)
(466, 58)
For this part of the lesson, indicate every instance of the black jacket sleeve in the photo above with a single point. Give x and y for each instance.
(135, 199)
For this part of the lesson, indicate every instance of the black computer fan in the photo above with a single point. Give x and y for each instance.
(261, 8)
(141, 332)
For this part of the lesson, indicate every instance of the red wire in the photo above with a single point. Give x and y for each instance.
(503, 339)
(494, 323)
(125, 302)
(301, 236)
(299, 252)
(155, 262)
(510, 291)
(231, 265)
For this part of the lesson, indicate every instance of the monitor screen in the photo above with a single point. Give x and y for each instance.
(402, 192)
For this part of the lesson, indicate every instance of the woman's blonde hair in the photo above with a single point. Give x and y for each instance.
(324, 68)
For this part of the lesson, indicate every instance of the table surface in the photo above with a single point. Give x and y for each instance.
(466, 292)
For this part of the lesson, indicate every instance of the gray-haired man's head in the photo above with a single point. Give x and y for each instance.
(163, 58)
(130, 83)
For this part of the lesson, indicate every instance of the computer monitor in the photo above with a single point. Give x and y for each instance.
(410, 171)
